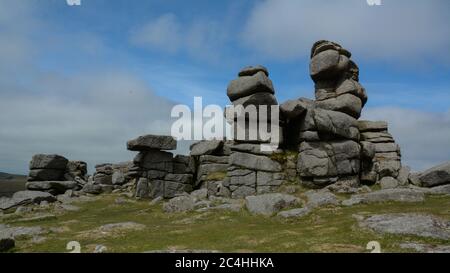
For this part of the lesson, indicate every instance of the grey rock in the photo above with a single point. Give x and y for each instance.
(321, 198)
(155, 160)
(123, 226)
(294, 213)
(7, 231)
(436, 176)
(142, 188)
(118, 178)
(172, 189)
(92, 188)
(444, 189)
(43, 161)
(403, 175)
(377, 137)
(409, 224)
(206, 147)
(387, 168)
(156, 200)
(257, 99)
(367, 149)
(212, 159)
(242, 192)
(325, 159)
(269, 204)
(346, 103)
(309, 136)
(248, 179)
(184, 164)
(252, 70)
(247, 85)
(179, 178)
(386, 147)
(388, 183)
(254, 162)
(269, 179)
(217, 188)
(150, 142)
(372, 126)
(45, 175)
(56, 186)
(336, 124)
(100, 249)
(102, 179)
(386, 195)
(352, 87)
(327, 64)
(76, 169)
(293, 109)
(414, 179)
(200, 194)
(179, 204)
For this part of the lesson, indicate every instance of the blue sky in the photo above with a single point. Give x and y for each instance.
(81, 80)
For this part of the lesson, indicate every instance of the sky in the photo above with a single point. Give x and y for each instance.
(82, 80)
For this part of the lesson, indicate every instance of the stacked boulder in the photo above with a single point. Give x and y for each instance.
(110, 177)
(54, 174)
(326, 130)
(252, 90)
(379, 143)
(212, 157)
(159, 173)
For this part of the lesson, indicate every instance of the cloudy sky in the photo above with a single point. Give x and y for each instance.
(82, 80)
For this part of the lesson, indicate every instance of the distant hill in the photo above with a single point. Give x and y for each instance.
(8, 176)
(11, 183)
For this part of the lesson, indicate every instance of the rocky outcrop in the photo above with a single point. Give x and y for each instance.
(435, 176)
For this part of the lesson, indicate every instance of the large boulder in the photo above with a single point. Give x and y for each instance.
(333, 125)
(327, 65)
(21, 198)
(386, 195)
(436, 176)
(150, 142)
(346, 103)
(269, 204)
(76, 169)
(248, 85)
(254, 162)
(372, 126)
(421, 225)
(57, 187)
(179, 204)
(46, 175)
(325, 159)
(155, 160)
(43, 161)
(206, 147)
(293, 109)
(252, 70)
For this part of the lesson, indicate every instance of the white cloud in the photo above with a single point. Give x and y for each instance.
(406, 30)
(424, 137)
(201, 38)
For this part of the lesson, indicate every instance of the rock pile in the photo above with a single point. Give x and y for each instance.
(158, 172)
(378, 143)
(252, 90)
(55, 174)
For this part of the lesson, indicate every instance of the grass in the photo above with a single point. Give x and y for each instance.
(325, 230)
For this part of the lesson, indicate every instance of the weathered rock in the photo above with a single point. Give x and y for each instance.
(54, 186)
(7, 231)
(102, 179)
(332, 125)
(142, 188)
(152, 142)
(206, 147)
(42, 161)
(294, 213)
(352, 87)
(179, 204)
(257, 99)
(269, 179)
(242, 191)
(293, 109)
(118, 227)
(367, 149)
(425, 248)
(45, 175)
(212, 159)
(118, 178)
(155, 160)
(184, 164)
(377, 137)
(327, 65)
(346, 103)
(254, 162)
(409, 224)
(436, 176)
(172, 189)
(92, 188)
(327, 159)
(252, 70)
(387, 168)
(246, 179)
(269, 204)
(372, 126)
(403, 175)
(200, 194)
(388, 183)
(321, 198)
(386, 195)
(247, 85)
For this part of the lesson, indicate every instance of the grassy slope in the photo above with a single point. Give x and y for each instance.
(325, 230)
(11, 183)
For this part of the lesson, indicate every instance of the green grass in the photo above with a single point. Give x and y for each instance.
(325, 230)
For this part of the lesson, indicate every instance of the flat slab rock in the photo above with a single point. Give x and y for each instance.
(269, 204)
(121, 227)
(25, 197)
(152, 142)
(399, 195)
(439, 175)
(206, 147)
(424, 248)
(421, 225)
